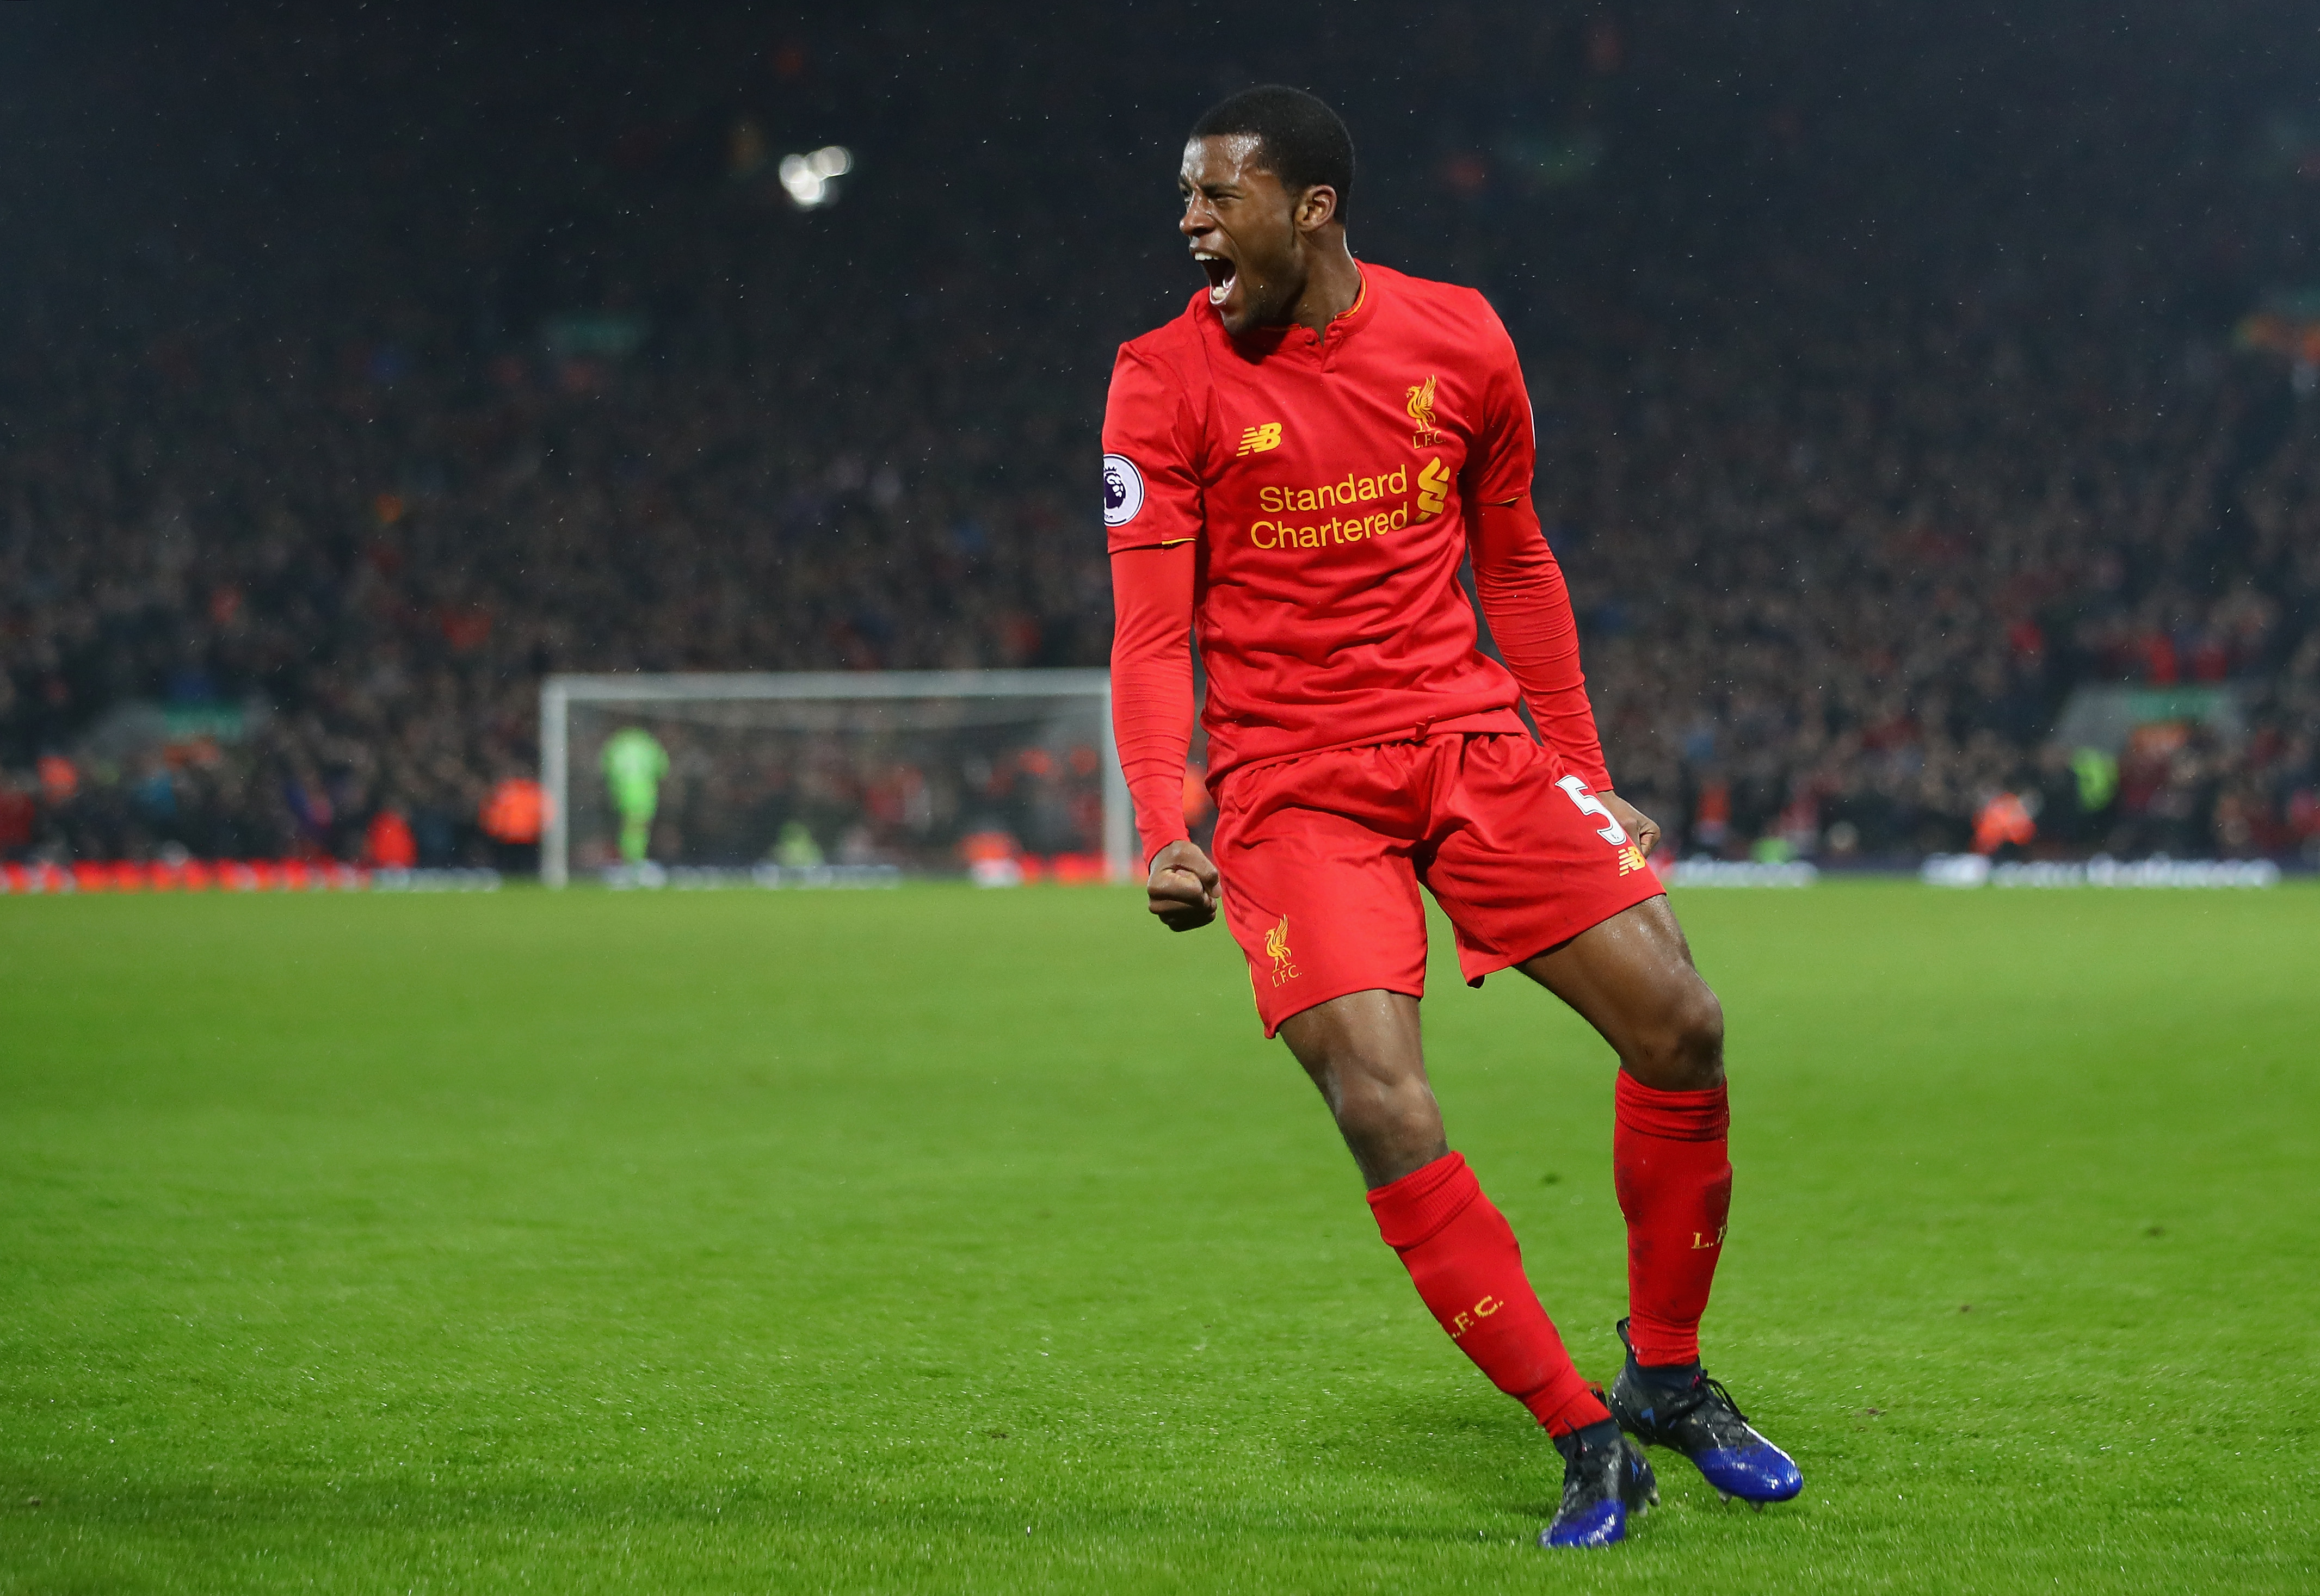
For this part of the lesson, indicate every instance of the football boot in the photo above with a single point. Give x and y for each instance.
(1601, 1485)
(1703, 1423)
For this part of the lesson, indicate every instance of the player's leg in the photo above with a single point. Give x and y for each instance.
(1528, 860)
(636, 830)
(1362, 1051)
(1631, 977)
(1321, 895)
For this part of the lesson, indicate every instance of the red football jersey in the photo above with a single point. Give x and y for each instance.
(1325, 480)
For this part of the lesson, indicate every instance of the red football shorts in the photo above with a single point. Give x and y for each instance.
(1322, 856)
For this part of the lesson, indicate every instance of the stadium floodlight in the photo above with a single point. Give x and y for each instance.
(811, 180)
(825, 777)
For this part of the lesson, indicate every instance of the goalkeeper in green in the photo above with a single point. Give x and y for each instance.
(634, 765)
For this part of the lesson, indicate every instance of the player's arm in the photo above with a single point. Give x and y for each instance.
(1529, 605)
(1521, 586)
(1151, 443)
(1152, 724)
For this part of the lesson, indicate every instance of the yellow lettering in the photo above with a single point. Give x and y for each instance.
(1432, 486)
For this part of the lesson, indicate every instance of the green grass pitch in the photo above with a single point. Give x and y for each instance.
(936, 1240)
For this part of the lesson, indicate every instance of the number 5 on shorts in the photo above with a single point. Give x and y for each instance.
(1611, 831)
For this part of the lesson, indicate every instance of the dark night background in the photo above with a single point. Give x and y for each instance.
(1899, 369)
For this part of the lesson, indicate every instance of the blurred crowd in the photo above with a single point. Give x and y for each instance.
(379, 370)
(1842, 604)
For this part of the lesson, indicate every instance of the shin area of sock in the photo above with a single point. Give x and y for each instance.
(1461, 1255)
(1673, 1177)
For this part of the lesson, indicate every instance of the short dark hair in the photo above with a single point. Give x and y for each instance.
(1305, 143)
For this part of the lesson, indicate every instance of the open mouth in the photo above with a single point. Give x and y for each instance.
(1221, 273)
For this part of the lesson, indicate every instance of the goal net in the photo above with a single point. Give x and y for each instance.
(832, 779)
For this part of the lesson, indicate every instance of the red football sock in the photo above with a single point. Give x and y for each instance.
(1674, 1181)
(1462, 1254)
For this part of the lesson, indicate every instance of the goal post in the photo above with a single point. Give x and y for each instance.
(924, 772)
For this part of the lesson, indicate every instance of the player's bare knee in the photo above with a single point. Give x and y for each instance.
(1380, 1102)
(1386, 1114)
(1700, 1043)
(1699, 1049)
(1391, 1133)
(1682, 1049)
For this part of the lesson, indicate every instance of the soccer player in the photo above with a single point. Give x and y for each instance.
(634, 763)
(1295, 469)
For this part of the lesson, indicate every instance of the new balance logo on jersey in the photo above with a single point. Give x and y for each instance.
(1258, 438)
(1433, 488)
